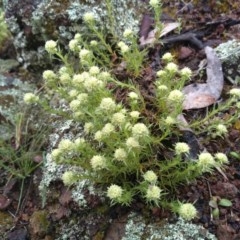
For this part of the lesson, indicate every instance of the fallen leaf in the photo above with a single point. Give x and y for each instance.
(4, 202)
(200, 95)
(167, 27)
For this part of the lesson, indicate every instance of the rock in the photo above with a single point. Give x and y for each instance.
(32, 22)
(39, 224)
(229, 54)
(6, 223)
(18, 234)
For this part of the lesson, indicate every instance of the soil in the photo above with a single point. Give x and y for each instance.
(195, 16)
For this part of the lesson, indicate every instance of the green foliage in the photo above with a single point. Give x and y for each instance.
(123, 149)
(4, 32)
(17, 157)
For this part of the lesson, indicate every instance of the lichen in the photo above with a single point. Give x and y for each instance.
(137, 229)
(229, 54)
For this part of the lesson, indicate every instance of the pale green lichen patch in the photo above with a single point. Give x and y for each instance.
(229, 54)
(137, 229)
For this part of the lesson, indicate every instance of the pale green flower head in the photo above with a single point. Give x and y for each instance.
(206, 162)
(133, 96)
(69, 178)
(107, 129)
(78, 37)
(121, 43)
(170, 120)
(49, 75)
(51, 46)
(181, 147)
(162, 88)
(79, 142)
(82, 98)
(187, 211)
(98, 162)
(93, 43)
(75, 105)
(124, 49)
(107, 105)
(85, 54)
(89, 17)
(172, 67)
(56, 153)
(65, 78)
(30, 98)
(161, 73)
(118, 118)
(221, 158)
(175, 96)
(167, 57)
(134, 114)
(153, 193)
(73, 45)
(65, 145)
(132, 143)
(88, 127)
(120, 154)
(150, 176)
(98, 136)
(186, 72)
(94, 70)
(140, 130)
(221, 129)
(235, 92)
(73, 93)
(128, 33)
(154, 3)
(80, 78)
(92, 84)
(114, 192)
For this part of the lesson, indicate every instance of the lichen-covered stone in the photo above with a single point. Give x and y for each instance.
(137, 228)
(32, 22)
(229, 54)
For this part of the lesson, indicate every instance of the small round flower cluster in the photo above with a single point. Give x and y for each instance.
(114, 192)
(153, 193)
(51, 46)
(150, 177)
(85, 56)
(65, 78)
(154, 3)
(132, 143)
(181, 147)
(187, 211)
(170, 120)
(175, 96)
(172, 67)
(235, 92)
(221, 130)
(69, 178)
(205, 162)
(167, 57)
(118, 118)
(98, 162)
(124, 48)
(49, 76)
(30, 98)
(186, 72)
(89, 18)
(107, 105)
(140, 130)
(120, 154)
(128, 33)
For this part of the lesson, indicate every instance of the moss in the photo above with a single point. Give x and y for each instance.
(6, 222)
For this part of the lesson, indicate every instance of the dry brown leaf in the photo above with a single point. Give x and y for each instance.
(205, 94)
(167, 27)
